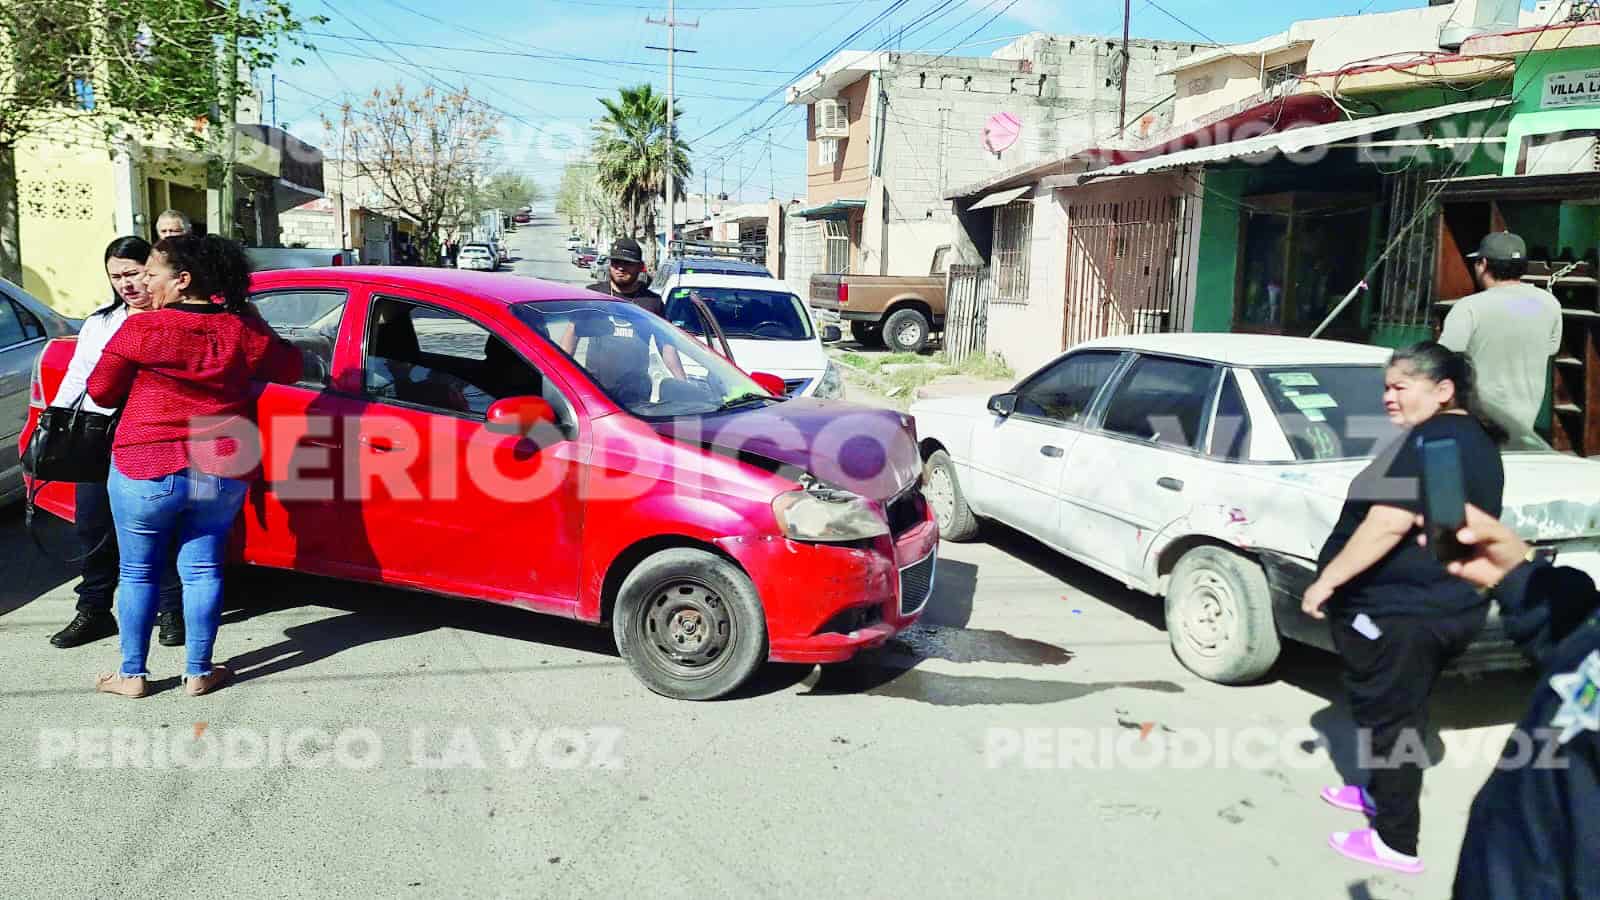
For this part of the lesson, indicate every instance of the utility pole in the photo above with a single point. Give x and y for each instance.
(230, 112)
(1122, 104)
(668, 174)
(274, 121)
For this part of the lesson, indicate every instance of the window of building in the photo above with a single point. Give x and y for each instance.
(1013, 233)
(1277, 75)
(827, 151)
(837, 238)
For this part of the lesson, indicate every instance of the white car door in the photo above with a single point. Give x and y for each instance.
(1134, 475)
(1017, 459)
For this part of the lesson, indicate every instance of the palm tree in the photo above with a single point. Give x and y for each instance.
(630, 156)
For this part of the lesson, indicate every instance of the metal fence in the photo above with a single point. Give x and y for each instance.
(1406, 295)
(966, 317)
(1127, 267)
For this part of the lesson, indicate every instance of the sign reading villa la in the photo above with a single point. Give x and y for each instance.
(1571, 89)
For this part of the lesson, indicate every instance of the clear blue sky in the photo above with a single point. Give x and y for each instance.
(751, 48)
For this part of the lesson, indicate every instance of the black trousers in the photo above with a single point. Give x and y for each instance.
(101, 569)
(1388, 680)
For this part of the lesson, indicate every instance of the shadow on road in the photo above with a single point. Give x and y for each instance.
(25, 573)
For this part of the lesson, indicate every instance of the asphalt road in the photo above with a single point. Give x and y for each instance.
(539, 250)
(1024, 740)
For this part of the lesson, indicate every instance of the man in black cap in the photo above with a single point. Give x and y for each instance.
(625, 264)
(1509, 330)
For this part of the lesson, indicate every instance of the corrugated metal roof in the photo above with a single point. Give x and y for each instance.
(1295, 140)
(1000, 198)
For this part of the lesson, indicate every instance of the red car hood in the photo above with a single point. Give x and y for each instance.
(864, 449)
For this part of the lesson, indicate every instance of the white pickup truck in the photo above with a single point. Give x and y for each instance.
(264, 259)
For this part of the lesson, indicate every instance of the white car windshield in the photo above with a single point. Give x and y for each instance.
(644, 364)
(742, 313)
(1329, 412)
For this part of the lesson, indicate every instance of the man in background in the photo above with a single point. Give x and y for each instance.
(173, 223)
(1509, 330)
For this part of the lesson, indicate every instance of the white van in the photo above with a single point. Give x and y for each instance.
(769, 328)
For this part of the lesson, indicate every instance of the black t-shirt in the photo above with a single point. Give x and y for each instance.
(644, 298)
(1410, 580)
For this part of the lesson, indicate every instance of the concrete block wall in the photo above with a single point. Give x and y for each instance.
(311, 228)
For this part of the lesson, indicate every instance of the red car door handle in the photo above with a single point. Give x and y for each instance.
(379, 444)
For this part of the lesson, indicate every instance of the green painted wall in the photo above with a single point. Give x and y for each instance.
(1528, 113)
(1216, 271)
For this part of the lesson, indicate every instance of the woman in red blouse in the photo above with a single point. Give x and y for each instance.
(187, 444)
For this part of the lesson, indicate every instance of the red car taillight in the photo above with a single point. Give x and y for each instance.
(844, 292)
(36, 398)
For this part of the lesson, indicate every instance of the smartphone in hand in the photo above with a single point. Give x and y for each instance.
(1444, 498)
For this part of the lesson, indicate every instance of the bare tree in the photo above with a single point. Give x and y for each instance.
(422, 152)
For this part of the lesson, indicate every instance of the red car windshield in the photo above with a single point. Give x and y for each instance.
(643, 363)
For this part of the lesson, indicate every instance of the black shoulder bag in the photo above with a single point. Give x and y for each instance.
(69, 445)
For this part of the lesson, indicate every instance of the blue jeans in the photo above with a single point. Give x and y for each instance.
(196, 511)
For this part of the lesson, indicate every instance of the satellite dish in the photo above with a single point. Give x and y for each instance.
(1001, 131)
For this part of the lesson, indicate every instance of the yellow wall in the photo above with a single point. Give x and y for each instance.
(68, 215)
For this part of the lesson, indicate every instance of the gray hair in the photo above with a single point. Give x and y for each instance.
(181, 216)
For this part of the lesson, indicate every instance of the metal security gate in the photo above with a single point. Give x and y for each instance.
(966, 317)
(1406, 296)
(1127, 267)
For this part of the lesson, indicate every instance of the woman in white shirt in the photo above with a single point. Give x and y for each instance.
(125, 260)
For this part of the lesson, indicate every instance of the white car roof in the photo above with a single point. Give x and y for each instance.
(1246, 349)
(748, 282)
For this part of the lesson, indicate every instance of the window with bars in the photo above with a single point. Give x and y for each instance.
(837, 238)
(1013, 233)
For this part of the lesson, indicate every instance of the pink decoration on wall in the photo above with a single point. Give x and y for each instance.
(1001, 131)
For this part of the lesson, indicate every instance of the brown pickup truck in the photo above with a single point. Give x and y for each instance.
(903, 311)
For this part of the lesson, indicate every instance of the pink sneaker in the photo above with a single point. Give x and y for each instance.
(1351, 797)
(1360, 846)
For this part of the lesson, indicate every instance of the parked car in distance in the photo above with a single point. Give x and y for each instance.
(585, 257)
(477, 256)
(768, 328)
(902, 311)
(523, 218)
(1209, 469)
(574, 242)
(691, 516)
(26, 325)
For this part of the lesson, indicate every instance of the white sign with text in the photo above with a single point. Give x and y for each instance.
(1563, 89)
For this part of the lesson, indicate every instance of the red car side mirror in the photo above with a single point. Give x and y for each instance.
(519, 415)
(771, 383)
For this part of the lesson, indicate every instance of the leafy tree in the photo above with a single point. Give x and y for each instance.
(508, 192)
(630, 155)
(422, 152)
(120, 65)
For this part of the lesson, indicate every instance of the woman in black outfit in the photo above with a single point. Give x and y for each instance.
(1397, 616)
(125, 261)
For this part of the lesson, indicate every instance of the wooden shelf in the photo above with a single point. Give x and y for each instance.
(1570, 408)
(1569, 361)
(1573, 280)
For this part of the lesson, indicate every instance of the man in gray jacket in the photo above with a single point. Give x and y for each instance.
(1509, 330)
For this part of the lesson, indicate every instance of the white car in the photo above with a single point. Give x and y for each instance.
(1209, 469)
(769, 328)
(480, 257)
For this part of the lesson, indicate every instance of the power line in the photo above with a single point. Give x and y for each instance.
(719, 9)
(560, 57)
(525, 80)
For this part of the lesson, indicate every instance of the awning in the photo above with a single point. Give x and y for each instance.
(1570, 187)
(1295, 140)
(836, 209)
(1000, 198)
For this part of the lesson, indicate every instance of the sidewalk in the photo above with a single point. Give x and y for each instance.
(962, 386)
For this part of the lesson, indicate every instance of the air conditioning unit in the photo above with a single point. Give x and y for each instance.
(833, 119)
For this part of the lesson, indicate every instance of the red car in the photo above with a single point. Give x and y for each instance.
(515, 441)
